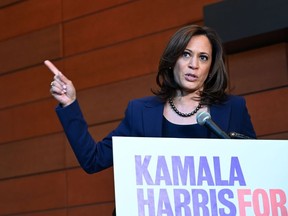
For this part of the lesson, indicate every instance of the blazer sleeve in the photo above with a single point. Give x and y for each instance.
(92, 156)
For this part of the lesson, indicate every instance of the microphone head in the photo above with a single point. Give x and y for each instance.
(202, 117)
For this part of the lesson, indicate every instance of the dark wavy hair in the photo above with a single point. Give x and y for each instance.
(215, 85)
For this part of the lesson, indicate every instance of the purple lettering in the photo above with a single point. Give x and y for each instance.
(182, 171)
(182, 206)
(204, 173)
(217, 173)
(200, 201)
(213, 202)
(142, 170)
(149, 202)
(230, 205)
(164, 206)
(162, 172)
(236, 173)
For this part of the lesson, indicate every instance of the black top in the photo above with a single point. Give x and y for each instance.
(184, 131)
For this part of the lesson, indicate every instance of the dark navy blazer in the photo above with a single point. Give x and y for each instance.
(143, 118)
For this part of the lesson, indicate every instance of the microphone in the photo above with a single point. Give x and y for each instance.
(204, 119)
(235, 135)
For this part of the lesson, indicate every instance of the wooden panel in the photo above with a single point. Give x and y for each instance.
(26, 85)
(259, 69)
(32, 156)
(62, 212)
(101, 210)
(33, 193)
(123, 61)
(5, 3)
(110, 101)
(269, 111)
(28, 16)
(84, 188)
(75, 8)
(129, 21)
(97, 132)
(39, 118)
(279, 136)
(30, 49)
(28, 121)
(144, 53)
(91, 210)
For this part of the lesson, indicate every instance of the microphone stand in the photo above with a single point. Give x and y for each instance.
(234, 135)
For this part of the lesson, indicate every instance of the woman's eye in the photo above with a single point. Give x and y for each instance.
(186, 54)
(204, 57)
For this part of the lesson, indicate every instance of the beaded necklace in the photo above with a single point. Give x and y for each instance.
(183, 114)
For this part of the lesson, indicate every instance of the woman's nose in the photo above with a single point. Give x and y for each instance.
(193, 63)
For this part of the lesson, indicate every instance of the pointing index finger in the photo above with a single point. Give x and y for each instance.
(52, 67)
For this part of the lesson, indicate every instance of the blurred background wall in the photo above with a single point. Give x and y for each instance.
(110, 50)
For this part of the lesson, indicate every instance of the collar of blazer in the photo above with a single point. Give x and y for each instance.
(153, 116)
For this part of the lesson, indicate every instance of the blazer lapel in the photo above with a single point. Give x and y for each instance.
(220, 114)
(152, 119)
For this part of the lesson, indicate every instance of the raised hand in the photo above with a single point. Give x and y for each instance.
(61, 88)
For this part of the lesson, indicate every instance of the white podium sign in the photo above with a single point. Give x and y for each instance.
(194, 177)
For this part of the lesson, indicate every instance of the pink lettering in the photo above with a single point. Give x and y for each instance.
(278, 201)
(241, 201)
(265, 202)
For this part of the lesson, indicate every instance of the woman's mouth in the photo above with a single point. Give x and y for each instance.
(191, 77)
